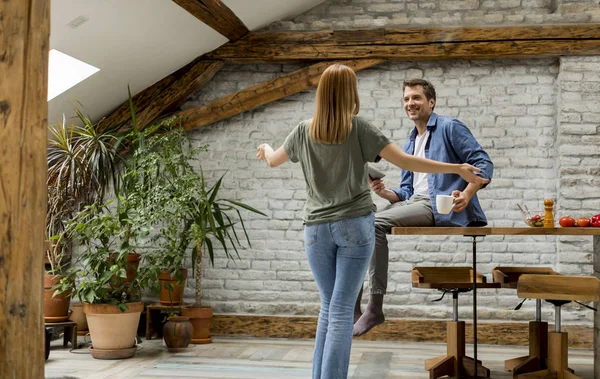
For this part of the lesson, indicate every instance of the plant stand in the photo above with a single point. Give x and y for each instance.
(69, 330)
(151, 329)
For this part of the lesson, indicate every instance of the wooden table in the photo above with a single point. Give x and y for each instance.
(475, 232)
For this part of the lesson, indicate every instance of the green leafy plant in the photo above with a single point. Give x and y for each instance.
(188, 213)
(83, 163)
(101, 267)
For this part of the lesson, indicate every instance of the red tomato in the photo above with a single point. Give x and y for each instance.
(567, 222)
(583, 222)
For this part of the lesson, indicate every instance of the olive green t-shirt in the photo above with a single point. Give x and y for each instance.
(336, 174)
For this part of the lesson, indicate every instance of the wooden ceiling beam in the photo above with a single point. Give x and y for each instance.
(216, 15)
(165, 94)
(263, 93)
(414, 44)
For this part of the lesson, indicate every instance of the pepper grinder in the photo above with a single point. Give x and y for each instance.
(548, 217)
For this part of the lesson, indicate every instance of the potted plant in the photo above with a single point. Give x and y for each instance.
(213, 223)
(82, 164)
(57, 290)
(111, 299)
(191, 216)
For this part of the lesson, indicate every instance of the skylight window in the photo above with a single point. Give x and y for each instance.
(65, 71)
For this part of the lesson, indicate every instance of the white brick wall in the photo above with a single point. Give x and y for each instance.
(537, 118)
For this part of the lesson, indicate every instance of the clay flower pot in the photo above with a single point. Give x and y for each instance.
(78, 316)
(175, 297)
(112, 331)
(177, 332)
(200, 318)
(56, 308)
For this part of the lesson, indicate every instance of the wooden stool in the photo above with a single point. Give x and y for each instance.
(151, 328)
(558, 290)
(454, 280)
(69, 330)
(538, 330)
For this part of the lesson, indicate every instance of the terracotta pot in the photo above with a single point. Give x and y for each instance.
(56, 309)
(131, 267)
(200, 318)
(177, 332)
(176, 296)
(79, 317)
(111, 329)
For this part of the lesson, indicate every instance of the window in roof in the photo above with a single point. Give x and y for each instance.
(64, 72)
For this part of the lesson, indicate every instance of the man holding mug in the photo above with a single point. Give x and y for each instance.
(414, 203)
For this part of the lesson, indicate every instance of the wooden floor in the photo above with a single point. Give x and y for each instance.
(228, 358)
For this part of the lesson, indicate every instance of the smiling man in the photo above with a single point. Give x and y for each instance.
(413, 203)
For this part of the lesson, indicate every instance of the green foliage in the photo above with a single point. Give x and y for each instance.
(83, 163)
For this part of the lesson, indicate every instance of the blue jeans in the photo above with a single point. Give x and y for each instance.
(338, 254)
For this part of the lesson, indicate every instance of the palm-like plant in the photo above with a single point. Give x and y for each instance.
(83, 164)
(213, 223)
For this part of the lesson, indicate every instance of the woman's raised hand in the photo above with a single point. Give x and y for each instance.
(261, 151)
(468, 173)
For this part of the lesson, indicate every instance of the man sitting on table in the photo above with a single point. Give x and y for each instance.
(413, 204)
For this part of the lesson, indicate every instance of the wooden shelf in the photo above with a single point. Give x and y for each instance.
(495, 231)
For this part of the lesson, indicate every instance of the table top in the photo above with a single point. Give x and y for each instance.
(495, 231)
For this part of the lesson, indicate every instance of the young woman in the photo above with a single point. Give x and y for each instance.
(333, 149)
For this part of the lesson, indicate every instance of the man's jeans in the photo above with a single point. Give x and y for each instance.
(416, 211)
(338, 254)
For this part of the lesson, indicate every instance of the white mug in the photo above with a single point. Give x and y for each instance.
(444, 203)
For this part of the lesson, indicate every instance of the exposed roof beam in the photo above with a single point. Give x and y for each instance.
(263, 93)
(165, 94)
(415, 44)
(216, 15)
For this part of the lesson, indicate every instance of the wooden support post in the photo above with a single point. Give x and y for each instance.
(557, 352)
(455, 346)
(24, 43)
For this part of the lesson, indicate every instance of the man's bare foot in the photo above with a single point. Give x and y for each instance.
(357, 314)
(367, 321)
(357, 311)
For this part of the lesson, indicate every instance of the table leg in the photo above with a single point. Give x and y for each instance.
(475, 306)
(596, 259)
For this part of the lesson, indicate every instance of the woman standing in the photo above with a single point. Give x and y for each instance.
(333, 149)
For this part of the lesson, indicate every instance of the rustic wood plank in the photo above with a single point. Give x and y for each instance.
(216, 15)
(495, 231)
(422, 35)
(509, 333)
(262, 94)
(164, 94)
(434, 51)
(24, 45)
(415, 44)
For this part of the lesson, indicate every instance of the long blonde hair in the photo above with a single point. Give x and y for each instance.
(337, 101)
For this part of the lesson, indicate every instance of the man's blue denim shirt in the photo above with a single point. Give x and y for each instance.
(449, 141)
